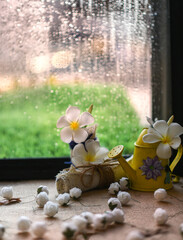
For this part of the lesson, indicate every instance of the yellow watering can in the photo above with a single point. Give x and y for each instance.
(145, 170)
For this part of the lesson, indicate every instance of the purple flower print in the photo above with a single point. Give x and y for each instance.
(152, 168)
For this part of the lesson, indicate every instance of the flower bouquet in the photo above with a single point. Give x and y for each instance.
(90, 167)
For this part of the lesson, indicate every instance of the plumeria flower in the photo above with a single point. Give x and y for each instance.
(92, 153)
(73, 123)
(166, 135)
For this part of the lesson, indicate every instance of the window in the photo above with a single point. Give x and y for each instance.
(55, 53)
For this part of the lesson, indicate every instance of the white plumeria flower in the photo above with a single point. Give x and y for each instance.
(72, 124)
(166, 135)
(92, 153)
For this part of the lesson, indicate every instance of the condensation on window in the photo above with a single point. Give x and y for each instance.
(56, 53)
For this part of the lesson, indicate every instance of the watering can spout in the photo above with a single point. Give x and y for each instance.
(116, 153)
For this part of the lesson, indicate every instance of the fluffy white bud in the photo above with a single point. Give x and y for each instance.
(88, 216)
(160, 194)
(124, 183)
(42, 188)
(99, 221)
(75, 193)
(160, 216)
(50, 209)
(118, 215)
(80, 222)
(135, 235)
(39, 229)
(2, 230)
(7, 192)
(114, 203)
(181, 229)
(63, 199)
(42, 199)
(124, 197)
(23, 224)
(114, 188)
(69, 230)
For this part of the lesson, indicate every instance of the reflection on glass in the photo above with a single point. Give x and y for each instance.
(55, 53)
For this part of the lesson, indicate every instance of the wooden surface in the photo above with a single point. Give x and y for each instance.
(138, 213)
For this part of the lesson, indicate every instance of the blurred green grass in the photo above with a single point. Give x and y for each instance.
(28, 118)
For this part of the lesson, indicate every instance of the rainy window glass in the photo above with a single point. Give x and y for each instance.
(56, 53)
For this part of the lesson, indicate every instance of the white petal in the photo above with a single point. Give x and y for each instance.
(174, 130)
(101, 154)
(151, 138)
(85, 119)
(78, 161)
(66, 134)
(161, 126)
(150, 121)
(154, 132)
(79, 150)
(175, 143)
(62, 122)
(72, 113)
(92, 146)
(80, 135)
(164, 151)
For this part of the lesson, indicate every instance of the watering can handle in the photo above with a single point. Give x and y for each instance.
(177, 158)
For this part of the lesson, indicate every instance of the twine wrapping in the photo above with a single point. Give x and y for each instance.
(106, 174)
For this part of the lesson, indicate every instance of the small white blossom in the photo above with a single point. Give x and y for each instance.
(50, 209)
(124, 197)
(7, 192)
(80, 222)
(42, 188)
(69, 230)
(109, 217)
(99, 221)
(114, 203)
(2, 230)
(88, 216)
(160, 194)
(114, 188)
(181, 229)
(135, 235)
(42, 199)
(118, 215)
(75, 193)
(23, 224)
(63, 199)
(124, 183)
(39, 229)
(160, 216)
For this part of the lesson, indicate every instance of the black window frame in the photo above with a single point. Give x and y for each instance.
(168, 99)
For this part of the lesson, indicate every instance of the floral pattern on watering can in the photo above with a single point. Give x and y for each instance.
(151, 168)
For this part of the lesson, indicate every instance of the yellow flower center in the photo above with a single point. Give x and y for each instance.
(89, 158)
(74, 125)
(165, 140)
